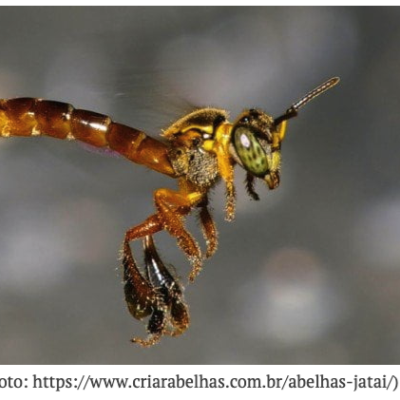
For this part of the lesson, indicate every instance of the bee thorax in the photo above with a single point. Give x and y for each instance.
(200, 167)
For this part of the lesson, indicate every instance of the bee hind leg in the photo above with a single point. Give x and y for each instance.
(155, 294)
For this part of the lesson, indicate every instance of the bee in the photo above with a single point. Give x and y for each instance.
(198, 150)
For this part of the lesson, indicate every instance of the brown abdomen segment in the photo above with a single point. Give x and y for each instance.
(31, 117)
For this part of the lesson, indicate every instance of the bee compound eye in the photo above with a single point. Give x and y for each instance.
(249, 151)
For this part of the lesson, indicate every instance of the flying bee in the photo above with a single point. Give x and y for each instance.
(198, 150)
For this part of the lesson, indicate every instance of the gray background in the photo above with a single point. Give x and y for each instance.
(310, 274)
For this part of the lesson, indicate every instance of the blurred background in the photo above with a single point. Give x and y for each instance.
(309, 274)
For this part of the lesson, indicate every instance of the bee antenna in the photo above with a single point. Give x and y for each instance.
(292, 111)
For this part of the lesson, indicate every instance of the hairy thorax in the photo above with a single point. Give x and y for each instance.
(197, 165)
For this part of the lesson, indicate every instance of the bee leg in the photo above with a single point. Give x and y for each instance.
(132, 276)
(250, 181)
(220, 147)
(155, 329)
(179, 313)
(156, 223)
(172, 206)
(168, 306)
(209, 231)
(169, 289)
(139, 294)
(141, 298)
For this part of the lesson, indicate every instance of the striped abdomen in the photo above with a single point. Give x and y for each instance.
(32, 117)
